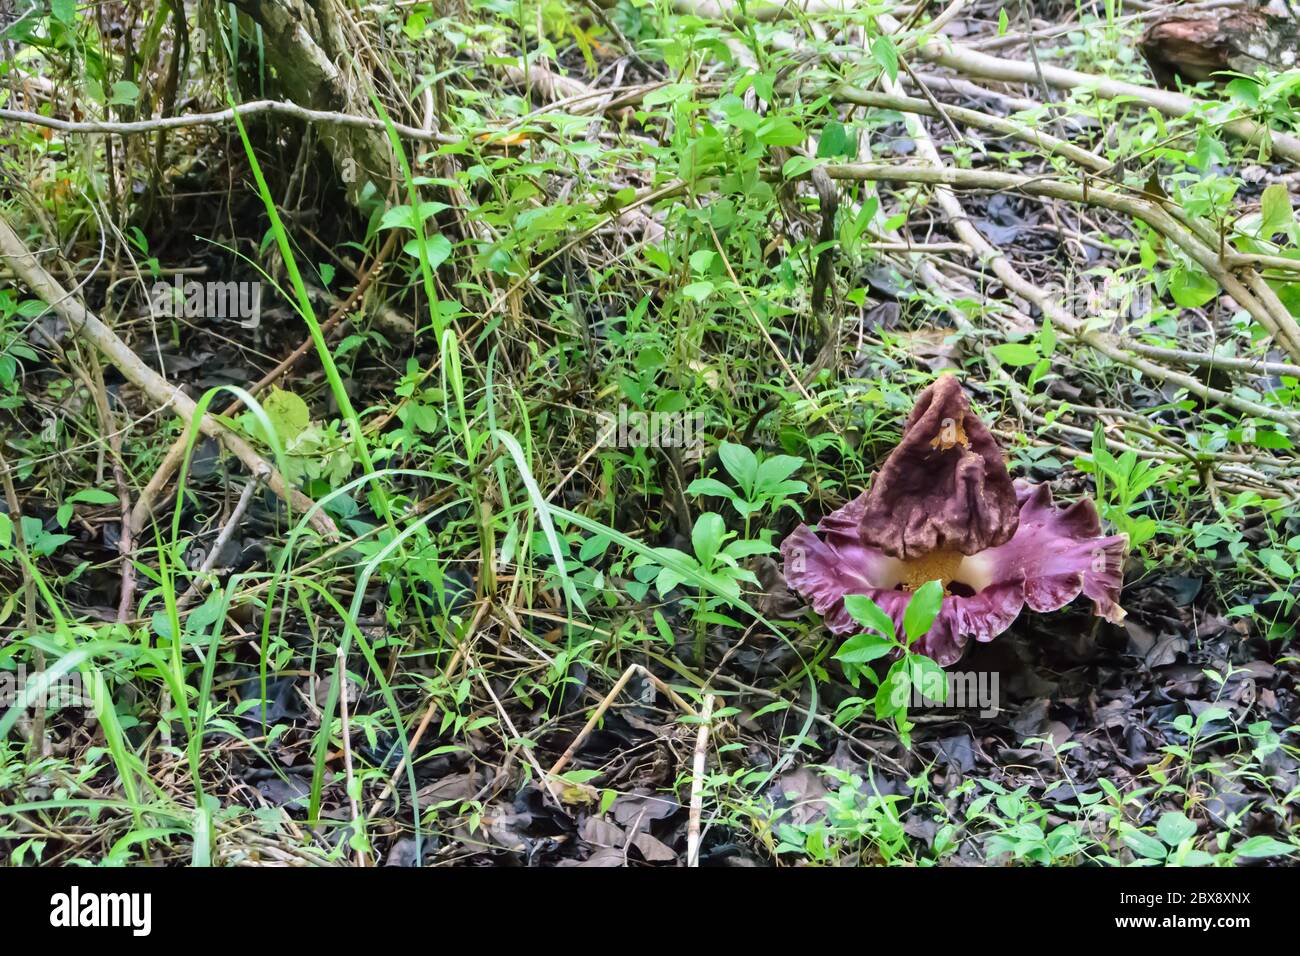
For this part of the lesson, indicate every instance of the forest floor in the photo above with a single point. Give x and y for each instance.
(588, 307)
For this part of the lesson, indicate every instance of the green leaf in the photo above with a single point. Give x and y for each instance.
(869, 614)
(743, 549)
(1047, 337)
(886, 54)
(836, 142)
(1210, 715)
(928, 677)
(1258, 847)
(666, 580)
(124, 93)
(797, 166)
(710, 486)
(701, 261)
(1174, 827)
(1144, 845)
(779, 131)
(1015, 354)
(698, 291)
(740, 463)
(773, 471)
(922, 610)
(706, 536)
(1192, 288)
(402, 217)
(436, 249)
(93, 496)
(864, 648)
(894, 692)
(288, 413)
(1276, 212)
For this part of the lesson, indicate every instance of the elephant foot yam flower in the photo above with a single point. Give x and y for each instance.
(943, 507)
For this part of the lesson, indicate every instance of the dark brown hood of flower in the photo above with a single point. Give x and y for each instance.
(945, 487)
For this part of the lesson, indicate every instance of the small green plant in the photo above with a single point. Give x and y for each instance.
(714, 562)
(1121, 483)
(1020, 827)
(858, 819)
(910, 671)
(764, 481)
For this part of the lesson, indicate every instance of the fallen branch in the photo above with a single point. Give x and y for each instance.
(87, 326)
(603, 706)
(1282, 327)
(994, 258)
(221, 117)
(943, 51)
(196, 588)
(697, 785)
(971, 63)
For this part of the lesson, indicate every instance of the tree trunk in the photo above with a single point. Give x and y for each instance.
(305, 39)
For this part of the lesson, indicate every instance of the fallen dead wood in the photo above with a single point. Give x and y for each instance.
(221, 117)
(145, 502)
(971, 63)
(995, 259)
(1193, 46)
(87, 326)
(1281, 325)
(934, 171)
(941, 50)
(1235, 272)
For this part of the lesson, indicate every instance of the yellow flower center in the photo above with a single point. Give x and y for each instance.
(942, 566)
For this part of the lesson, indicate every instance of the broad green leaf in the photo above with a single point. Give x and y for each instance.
(709, 486)
(864, 648)
(402, 217)
(288, 413)
(706, 536)
(895, 690)
(886, 54)
(836, 142)
(773, 471)
(740, 463)
(922, 610)
(1015, 354)
(1258, 847)
(779, 131)
(698, 291)
(1145, 845)
(1276, 212)
(929, 678)
(1174, 827)
(869, 614)
(94, 496)
(797, 166)
(1192, 288)
(437, 249)
(743, 549)
(124, 93)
